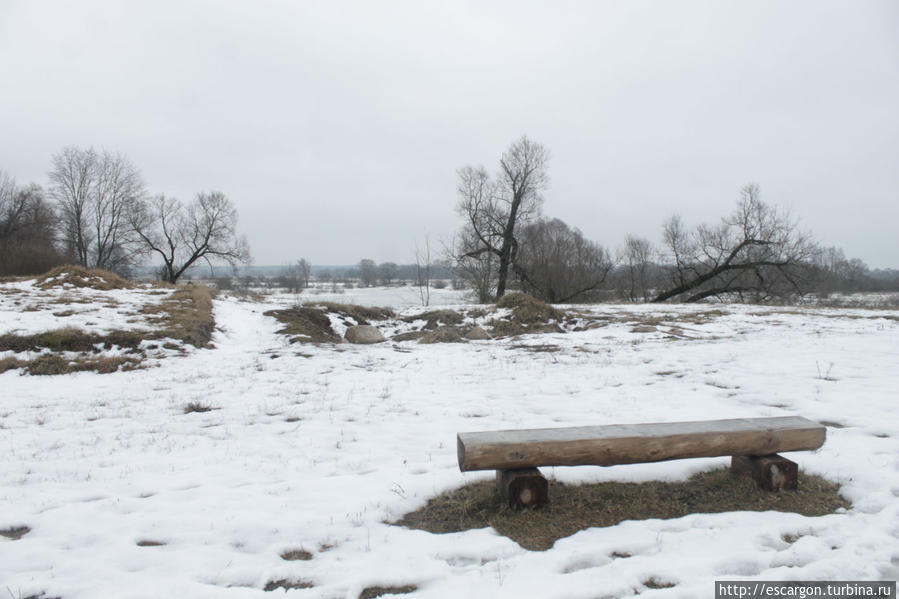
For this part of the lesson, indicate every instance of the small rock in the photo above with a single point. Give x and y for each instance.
(363, 334)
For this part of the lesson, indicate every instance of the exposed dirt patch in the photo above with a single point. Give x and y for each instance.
(15, 533)
(296, 554)
(149, 543)
(655, 583)
(574, 508)
(78, 276)
(287, 585)
(372, 592)
(197, 407)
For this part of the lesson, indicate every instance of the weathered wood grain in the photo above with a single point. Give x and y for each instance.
(635, 443)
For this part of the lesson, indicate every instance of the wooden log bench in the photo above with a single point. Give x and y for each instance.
(753, 444)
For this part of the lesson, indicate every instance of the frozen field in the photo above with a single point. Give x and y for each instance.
(315, 448)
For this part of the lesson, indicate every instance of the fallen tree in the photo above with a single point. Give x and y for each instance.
(757, 252)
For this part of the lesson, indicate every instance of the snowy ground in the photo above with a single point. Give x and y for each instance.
(26, 309)
(315, 448)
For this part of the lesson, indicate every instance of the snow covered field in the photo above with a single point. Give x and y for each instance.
(315, 448)
(26, 308)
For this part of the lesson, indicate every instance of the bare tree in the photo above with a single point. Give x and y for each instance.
(557, 264)
(27, 230)
(423, 270)
(756, 251)
(387, 271)
(368, 275)
(494, 208)
(476, 269)
(296, 276)
(636, 256)
(95, 193)
(182, 235)
(304, 269)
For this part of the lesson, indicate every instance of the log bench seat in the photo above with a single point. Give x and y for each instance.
(753, 444)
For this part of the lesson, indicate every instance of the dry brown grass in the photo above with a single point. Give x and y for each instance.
(377, 591)
(13, 279)
(11, 364)
(185, 315)
(49, 364)
(529, 315)
(78, 276)
(287, 585)
(528, 309)
(70, 339)
(574, 508)
(305, 325)
(361, 314)
(309, 323)
(443, 335)
(15, 533)
(296, 554)
(437, 318)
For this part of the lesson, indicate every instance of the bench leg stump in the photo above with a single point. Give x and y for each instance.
(523, 487)
(771, 472)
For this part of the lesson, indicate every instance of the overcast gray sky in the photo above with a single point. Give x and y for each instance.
(337, 127)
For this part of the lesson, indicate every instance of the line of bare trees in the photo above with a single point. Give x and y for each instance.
(97, 213)
(756, 253)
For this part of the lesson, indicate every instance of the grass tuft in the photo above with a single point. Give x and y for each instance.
(377, 591)
(196, 406)
(529, 315)
(287, 585)
(296, 555)
(577, 507)
(15, 533)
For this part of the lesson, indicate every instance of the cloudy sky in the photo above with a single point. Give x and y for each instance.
(337, 127)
